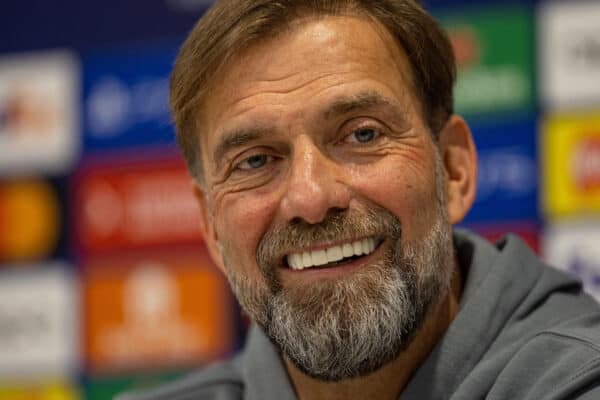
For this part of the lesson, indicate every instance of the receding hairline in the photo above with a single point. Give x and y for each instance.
(242, 50)
(405, 71)
(220, 36)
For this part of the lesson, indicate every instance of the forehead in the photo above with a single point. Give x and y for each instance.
(316, 59)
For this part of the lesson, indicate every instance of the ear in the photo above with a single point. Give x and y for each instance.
(207, 227)
(460, 161)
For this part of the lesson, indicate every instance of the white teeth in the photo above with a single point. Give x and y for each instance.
(296, 260)
(334, 254)
(319, 257)
(307, 259)
(365, 246)
(357, 248)
(347, 250)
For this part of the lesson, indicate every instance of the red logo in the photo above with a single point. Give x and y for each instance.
(466, 46)
(141, 204)
(586, 164)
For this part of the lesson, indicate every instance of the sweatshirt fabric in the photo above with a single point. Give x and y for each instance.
(524, 330)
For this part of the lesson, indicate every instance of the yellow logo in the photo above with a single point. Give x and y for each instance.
(571, 156)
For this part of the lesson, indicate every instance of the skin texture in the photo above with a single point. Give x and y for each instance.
(280, 144)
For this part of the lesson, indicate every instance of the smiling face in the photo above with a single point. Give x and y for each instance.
(324, 195)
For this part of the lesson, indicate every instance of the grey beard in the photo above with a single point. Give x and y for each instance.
(349, 327)
(352, 327)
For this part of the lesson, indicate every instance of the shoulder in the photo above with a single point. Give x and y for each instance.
(544, 329)
(559, 362)
(257, 372)
(221, 381)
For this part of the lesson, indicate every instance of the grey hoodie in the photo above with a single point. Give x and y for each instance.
(524, 331)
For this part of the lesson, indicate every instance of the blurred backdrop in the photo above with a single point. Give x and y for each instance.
(104, 280)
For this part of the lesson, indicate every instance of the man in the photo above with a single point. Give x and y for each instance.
(330, 170)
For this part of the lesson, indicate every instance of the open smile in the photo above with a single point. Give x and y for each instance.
(332, 256)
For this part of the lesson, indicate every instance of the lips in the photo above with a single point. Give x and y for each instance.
(333, 254)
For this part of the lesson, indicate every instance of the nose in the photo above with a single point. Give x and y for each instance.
(315, 185)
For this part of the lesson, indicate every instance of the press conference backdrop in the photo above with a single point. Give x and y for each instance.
(104, 280)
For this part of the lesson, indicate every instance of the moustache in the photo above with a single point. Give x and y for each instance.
(337, 226)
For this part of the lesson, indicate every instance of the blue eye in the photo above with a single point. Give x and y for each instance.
(364, 135)
(254, 162)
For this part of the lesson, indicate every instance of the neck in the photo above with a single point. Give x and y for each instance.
(388, 381)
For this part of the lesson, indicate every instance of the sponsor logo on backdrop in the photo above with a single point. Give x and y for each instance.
(507, 172)
(573, 247)
(492, 77)
(115, 106)
(39, 105)
(162, 309)
(126, 94)
(134, 205)
(467, 49)
(570, 53)
(572, 164)
(507, 180)
(30, 220)
(38, 320)
(150, 303)
(491, 90)
(586, 53)
(586, 163)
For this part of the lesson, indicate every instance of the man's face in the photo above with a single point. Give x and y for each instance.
(324, 195)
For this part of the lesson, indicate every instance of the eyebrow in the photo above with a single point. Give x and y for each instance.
(362, 101)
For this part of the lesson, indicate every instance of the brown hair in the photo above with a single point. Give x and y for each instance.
(232, 25)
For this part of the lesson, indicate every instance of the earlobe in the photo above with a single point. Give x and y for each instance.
(207, 227)
(460, 162)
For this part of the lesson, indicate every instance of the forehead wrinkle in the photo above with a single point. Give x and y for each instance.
(340, 106)
(296, 86)
(286, 76)
(388, 49)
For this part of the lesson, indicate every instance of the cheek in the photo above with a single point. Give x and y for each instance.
(405, 189)
(241, 220)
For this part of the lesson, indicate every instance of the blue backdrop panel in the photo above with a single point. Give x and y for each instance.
(508, 171)
(125, 102)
